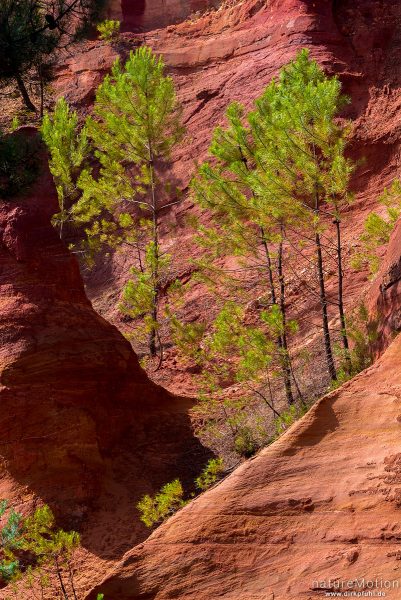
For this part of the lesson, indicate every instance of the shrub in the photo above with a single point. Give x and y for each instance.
(156, 509)
(109, 30)
(245, 444)
(210, 474)
(33, 549)
(378, 229)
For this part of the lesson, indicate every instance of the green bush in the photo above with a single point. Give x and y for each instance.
(156, 509)
(378, 229)
(245, 444)
(19, 164)
(34, 551)
(109, 30)
(210, 474)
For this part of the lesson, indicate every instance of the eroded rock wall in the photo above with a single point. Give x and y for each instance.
(144, 15)
(82, 428)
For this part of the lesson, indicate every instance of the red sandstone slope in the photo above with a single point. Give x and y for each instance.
(81, 427)
(321, 503)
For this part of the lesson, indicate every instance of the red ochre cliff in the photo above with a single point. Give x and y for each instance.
(322, 503)
(81, 428)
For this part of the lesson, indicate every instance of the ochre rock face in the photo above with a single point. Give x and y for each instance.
(143, 15)
(80, 420)
(322, 503)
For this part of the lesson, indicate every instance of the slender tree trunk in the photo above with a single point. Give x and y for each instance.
(341, 311)
(24, 93)
(300, 394)
(282, 339)
(71, 576)
(323, 303)
(62, 586)
(284, 343)
(155, 274)
(42, 91)
(62, 217)
(269, 267)
(152, 334)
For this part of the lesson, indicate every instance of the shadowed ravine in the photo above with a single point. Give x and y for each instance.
(82, 427)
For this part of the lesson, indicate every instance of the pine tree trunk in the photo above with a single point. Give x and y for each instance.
(61, 582)
(42, 91)
(269, 268)
(282, 339)
(286, 367)
(62, 216)
(341, 299)
(24, 93)
(152, 335)
(155, 274)
(71, 577)
(323, 303)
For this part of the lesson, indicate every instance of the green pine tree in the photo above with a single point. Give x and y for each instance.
(300, 147)
(35, 553)
(135, 125)
(68, 148)
(251, 223)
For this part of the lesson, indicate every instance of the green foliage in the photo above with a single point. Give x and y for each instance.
(299, 110)
(15, 123)
(135, 106)
(109, 30)
(68, 147)
(245, 444)
(234, 351)
(363, 334)
(135, 125)
(210, 474)
(19, 166)
(31, 31)
(187, 337)
(276, 181)
(377, 229)
(156, 509)
(254, 346)
(44, 548)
